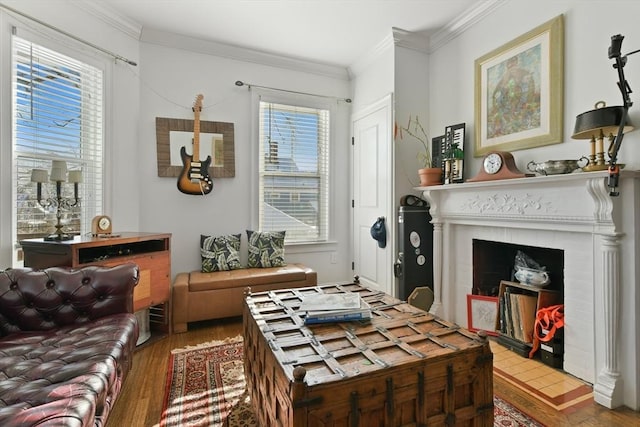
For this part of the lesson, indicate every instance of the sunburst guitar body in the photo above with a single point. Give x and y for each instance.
(194, 177)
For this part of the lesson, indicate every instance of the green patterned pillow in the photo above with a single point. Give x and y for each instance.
(220, 253)
(266, 249)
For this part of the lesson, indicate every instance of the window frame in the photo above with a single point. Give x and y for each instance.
(61, 46)
(305, 101)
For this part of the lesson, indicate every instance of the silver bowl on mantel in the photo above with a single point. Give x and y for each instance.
(557, 167)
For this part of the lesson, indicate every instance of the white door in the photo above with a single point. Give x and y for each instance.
(372, 194)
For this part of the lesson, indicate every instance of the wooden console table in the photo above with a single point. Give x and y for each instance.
(150, 251)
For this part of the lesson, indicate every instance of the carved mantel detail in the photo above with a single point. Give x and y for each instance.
(506, 203)
(598, 235)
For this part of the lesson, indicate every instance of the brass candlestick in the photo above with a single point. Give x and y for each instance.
(58, 175)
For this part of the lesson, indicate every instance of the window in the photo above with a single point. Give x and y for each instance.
(294, 171)
(57, 115)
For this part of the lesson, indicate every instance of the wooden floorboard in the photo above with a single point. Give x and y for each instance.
(140, 401)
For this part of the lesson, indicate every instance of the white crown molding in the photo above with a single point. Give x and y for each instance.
(410, 40)
(459, 25)
(132, 28)
(197, 45)
(111, 17)
(365, 60)
(397, 37)
(422, 43)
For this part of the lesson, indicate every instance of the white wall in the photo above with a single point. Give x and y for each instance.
(121, 115)
(589, 75)
(171, 79)
(165, 84)
(142, 201)
(411, 88)
(372, 76)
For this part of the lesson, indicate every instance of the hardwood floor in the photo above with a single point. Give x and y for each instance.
(140, 402)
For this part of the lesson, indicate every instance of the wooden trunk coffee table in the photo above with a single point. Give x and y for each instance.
(404, 368)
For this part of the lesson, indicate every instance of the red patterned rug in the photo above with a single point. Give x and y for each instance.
(205, 387)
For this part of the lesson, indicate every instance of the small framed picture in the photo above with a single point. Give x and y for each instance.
(482, 312)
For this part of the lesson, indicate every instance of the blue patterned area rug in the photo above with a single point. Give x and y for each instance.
(205, 387)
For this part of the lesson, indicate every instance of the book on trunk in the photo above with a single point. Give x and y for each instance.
(327, 308)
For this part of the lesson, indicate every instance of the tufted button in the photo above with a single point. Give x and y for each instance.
(101, 297)
(51, 284)
(13, 286)
(85, 280)
(67, 301)
(29, 304)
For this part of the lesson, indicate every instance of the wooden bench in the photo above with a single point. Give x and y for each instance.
(203, 296)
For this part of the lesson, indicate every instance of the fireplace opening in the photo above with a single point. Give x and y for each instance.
(494, 276)
(494, 261)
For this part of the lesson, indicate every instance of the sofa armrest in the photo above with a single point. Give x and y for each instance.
(37, 300)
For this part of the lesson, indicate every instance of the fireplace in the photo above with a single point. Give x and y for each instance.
(494, 261)
(597, 237)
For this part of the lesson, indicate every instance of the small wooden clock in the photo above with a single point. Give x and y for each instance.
(101, 224)
(498, 165)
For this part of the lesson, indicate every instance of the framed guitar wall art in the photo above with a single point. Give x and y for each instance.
(216, 140)
(519, 91)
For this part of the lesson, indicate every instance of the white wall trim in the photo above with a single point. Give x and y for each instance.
(459, 25)
(148, 35)
(422, 43)
(197, 45)
(364, 61)
(410, 40)
(111, 17)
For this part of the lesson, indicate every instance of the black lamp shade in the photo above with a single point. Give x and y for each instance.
(607, 119)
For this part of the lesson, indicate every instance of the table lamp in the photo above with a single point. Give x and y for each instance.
(597, 124)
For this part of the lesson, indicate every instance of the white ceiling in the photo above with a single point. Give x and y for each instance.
(333, 32)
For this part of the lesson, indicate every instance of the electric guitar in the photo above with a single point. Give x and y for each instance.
(194, 177)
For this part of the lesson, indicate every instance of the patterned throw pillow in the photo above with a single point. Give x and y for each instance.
(220, 253)
(266, 249)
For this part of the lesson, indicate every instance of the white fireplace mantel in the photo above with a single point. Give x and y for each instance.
(599, 236)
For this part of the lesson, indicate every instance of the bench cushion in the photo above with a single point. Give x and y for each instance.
(244, 277)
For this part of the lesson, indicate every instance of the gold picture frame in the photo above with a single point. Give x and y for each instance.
(519, 92)
(223, 147)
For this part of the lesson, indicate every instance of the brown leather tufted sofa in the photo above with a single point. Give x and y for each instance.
(66, 343)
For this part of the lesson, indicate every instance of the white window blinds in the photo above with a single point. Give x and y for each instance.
(57, 115)
(294, 171)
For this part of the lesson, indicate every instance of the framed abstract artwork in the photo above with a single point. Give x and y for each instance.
(519, 91)
(482, 313)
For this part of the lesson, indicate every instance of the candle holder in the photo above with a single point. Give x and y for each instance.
(58, 176)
